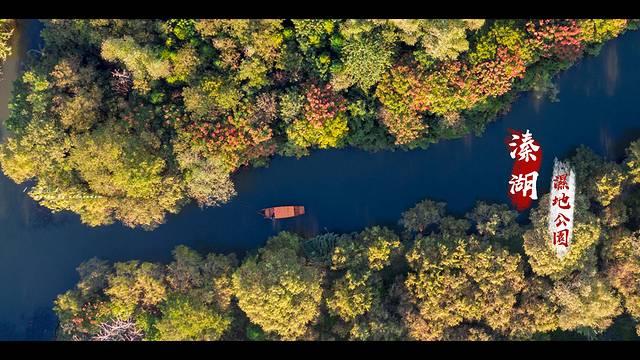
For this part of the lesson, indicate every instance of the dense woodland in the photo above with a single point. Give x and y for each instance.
(437, 277)
(128, 120)
(6, 31)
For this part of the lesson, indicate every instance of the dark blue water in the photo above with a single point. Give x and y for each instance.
(342, 190)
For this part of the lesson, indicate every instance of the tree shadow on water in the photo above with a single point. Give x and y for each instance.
(8, 331)
(42, 325)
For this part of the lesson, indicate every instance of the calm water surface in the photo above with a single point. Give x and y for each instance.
(342, 190)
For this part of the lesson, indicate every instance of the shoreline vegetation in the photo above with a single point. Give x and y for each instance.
(8, 68)
(480, 277)
(7, 27)
(128, 120)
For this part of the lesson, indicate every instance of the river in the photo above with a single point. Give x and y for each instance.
(342, 190)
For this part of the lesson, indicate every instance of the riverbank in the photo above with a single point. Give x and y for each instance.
(8, 75)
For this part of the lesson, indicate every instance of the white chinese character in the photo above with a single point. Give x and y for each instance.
(527, 147)
(525, 183)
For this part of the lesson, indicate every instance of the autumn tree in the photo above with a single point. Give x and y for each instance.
(559, 38)
(402, 92)
(76, 308)
(322, 122)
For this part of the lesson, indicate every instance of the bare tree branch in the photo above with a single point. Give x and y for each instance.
(118, 330)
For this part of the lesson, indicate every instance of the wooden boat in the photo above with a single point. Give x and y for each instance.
(282, 212)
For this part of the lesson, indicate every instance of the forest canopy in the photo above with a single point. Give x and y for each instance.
(6, 31)
(128, 120)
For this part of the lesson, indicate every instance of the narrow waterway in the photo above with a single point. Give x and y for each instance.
(342, 190)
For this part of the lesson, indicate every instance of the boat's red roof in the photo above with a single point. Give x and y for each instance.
(284, 211)
(281, 212)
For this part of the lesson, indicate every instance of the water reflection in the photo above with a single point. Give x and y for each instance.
(40, 326)
(605, 141)
(468, 142)
(621, 143)
(611, 66)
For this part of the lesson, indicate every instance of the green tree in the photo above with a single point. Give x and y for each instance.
(600, 180)
(6, 30)
(351, 296)
(357, 294)
(446, 38)
(277, 290)
(365, 60)
(211, 96)
(144, 62)
(633, 161)
(494, 220)
(440, 39)
(311, 33)
(503, 34)
(134, 285)
(422, 215)
(601, 30)
(206, 176)
(248, 49)
(331, 133)
(291, 105)
(206, 280)
(77, 309)
(185, 63)
(379, 323)
(184, 272)
(453, 280)
(93, 276)
(40, 150)
(371, 249)
(609, 183)
(127, 175)
(185, 318)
